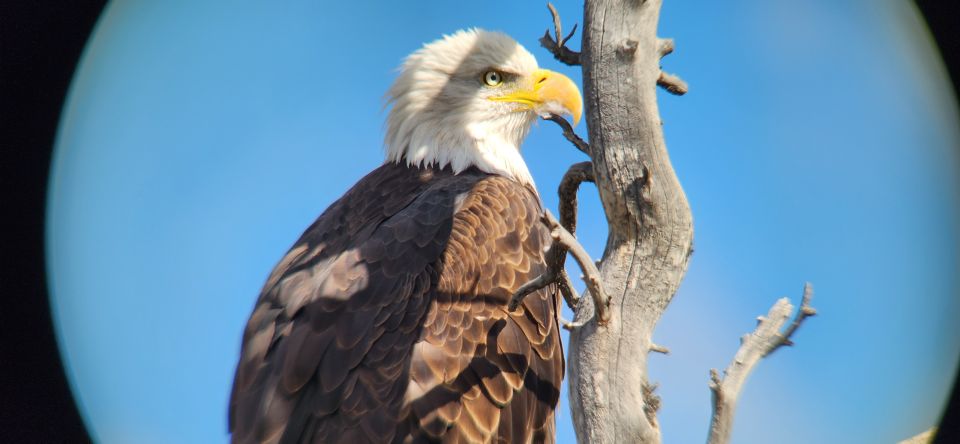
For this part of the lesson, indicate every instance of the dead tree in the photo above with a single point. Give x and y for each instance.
(650, 233)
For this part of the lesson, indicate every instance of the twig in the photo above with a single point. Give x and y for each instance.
(569, 293)
(577, 174)
(558, 46)
(557, 254)
(564, 242)
(673, 84)
(805, 312)
(652, 401)
(659, 349)
(664, 47)
(763, 341)
(569, 134)
(591, 274)
(555, 274)
(547, 278)
(571, 325)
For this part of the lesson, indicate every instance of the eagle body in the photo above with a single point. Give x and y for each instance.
(387, 321)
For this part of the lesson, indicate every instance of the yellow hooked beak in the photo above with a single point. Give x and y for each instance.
(550, 92)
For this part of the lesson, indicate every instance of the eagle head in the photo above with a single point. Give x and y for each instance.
(469, 99)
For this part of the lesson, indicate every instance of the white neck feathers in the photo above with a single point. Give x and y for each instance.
(437, 118)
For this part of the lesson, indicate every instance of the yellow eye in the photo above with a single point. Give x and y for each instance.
(492, 78)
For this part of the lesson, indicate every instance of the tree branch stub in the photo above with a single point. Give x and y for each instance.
(664, 47)
(673, 84)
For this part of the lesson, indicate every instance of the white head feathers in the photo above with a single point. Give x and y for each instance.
(445, 112)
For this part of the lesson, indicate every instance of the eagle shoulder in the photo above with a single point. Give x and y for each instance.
(479, 372)
(405, 276)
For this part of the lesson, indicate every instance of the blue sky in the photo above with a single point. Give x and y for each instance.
(818, 142)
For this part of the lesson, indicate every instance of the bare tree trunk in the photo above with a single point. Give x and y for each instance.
(650, 235)
(650, 224)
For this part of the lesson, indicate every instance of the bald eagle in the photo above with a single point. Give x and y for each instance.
(387, 320)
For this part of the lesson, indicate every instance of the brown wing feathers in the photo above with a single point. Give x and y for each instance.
(387, 321)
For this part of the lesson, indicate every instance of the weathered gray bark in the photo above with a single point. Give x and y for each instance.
(650, 224)
(650, 234)
(923, 438)
(764, 340)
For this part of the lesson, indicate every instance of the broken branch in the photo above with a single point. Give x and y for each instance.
(659, 349)
(765, 339)
(571, 325)
(577, 174)
(557, 254)
(805, 312)
(564, 242)
(591, 275)
(570, 295)
(673, 84)
(558, 46)
(664, 47)
(581, 145)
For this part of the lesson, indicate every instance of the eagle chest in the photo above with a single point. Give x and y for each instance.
(387, 321)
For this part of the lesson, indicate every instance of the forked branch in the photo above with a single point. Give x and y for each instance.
(557, 254)
(591, 275)
(763, 341)
(558, 46)
(564, 242)
(611, 397)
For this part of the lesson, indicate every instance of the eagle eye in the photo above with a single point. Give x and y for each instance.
(492, 78)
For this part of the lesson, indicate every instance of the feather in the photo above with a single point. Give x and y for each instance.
(386, 321)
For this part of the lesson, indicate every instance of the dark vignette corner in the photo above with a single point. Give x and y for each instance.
(41, 42)
(943, 18)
